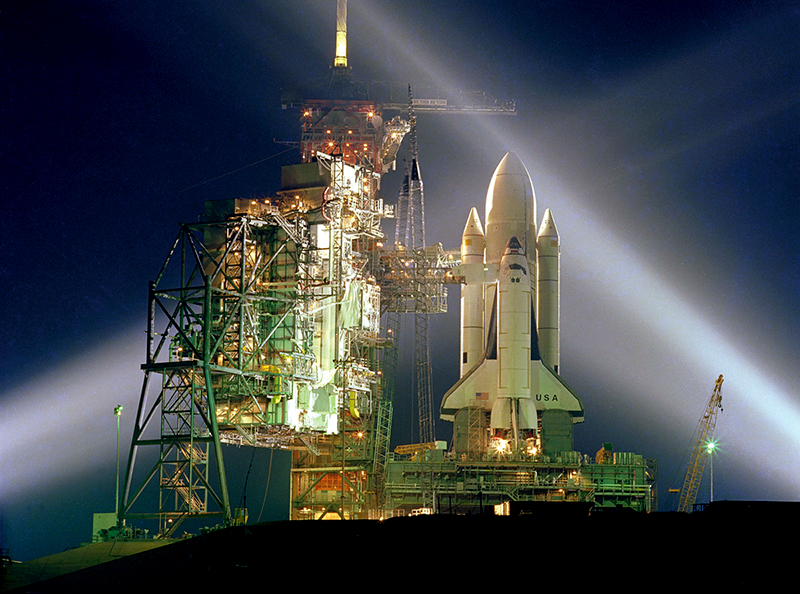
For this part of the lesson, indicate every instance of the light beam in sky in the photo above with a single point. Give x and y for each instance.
(61, 424)
(691, 88)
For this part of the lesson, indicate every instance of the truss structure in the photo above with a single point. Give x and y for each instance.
(263, 331)
(700, 452)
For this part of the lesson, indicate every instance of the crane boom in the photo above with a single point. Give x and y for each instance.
(697, 463)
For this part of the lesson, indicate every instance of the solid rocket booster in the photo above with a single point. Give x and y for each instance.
(548, 260)
(473, 244)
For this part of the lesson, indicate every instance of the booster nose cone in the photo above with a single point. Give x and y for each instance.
(473, 241)
(473, 227)
(548, 228)
(510, 208)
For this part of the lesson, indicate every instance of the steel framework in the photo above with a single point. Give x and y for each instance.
(338, 476)
(410, 235)
(472, 485)
(697, 462)
(227, 344)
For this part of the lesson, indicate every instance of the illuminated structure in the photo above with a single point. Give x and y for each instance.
(513, 414)
(264, 331)
(703, 448)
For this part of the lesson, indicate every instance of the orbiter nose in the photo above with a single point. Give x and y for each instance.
(514, 247)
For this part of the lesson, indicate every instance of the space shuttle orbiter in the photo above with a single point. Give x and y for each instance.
(510, 312)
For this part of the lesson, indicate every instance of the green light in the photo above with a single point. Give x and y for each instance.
(710, 447)
(118, 410)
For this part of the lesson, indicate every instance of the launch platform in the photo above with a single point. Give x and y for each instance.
(274, 322)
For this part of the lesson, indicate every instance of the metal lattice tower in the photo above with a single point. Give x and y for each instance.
(697, 463)
(383, 431)
(410, 237)
(226, 346)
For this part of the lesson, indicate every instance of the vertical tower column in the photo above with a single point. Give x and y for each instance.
(340, 61)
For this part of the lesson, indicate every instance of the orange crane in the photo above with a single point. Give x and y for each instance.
(697, 463)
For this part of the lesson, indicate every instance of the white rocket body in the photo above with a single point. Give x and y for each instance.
(510, 371)
(548, 296)
(513, 408)
(473, 245)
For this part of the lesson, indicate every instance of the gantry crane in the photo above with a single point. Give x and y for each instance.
(697, 463)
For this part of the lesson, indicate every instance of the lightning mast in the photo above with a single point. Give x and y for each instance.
(340, 61)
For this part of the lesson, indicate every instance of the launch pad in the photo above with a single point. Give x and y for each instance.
(272, 338)
(508, 486)
(273, 323)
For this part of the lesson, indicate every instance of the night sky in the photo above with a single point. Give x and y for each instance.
(662, 135)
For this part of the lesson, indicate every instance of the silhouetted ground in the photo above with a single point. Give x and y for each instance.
(729, 543)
